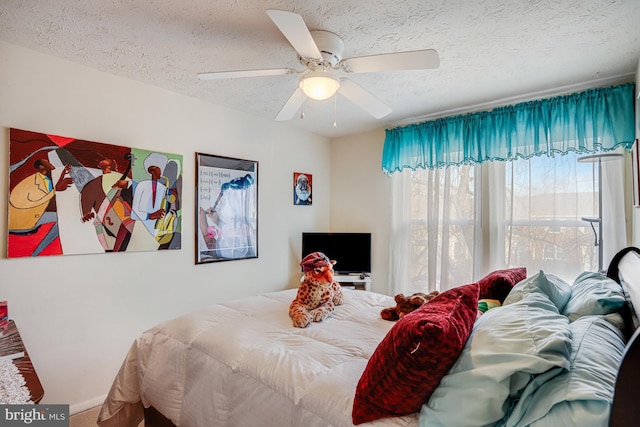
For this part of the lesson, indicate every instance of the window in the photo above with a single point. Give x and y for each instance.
(452, 225)
(443, 226)
(545, 199)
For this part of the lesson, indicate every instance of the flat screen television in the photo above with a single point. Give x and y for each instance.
(352, 251)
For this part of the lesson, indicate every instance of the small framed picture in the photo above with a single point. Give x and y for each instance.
(302, 185)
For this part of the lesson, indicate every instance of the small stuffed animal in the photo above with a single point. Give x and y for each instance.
(485, 305)
(405, 305)
(318, 293)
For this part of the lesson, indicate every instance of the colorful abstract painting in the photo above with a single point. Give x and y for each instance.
(71, 196)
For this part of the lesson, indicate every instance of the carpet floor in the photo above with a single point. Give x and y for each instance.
(88, 418)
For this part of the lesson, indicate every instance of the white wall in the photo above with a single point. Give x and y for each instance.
(78, 315)
(361, 197)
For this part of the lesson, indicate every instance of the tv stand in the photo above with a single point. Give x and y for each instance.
(357, 281)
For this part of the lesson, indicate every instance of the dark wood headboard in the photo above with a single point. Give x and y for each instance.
(625, 264)
(625, 269)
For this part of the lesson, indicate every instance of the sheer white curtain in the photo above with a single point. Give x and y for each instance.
(614, 206)
(542, 203)
(453, 225)
(434, 229)
(401, 242)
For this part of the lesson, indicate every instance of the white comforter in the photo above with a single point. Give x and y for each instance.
(242, 363)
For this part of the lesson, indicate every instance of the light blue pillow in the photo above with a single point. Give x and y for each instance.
(508, 348)
(554, 287)
(582, 396)
(592, 294)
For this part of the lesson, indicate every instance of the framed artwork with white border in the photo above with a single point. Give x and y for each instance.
(226, 208)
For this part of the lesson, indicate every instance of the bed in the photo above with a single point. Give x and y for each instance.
(553, 354)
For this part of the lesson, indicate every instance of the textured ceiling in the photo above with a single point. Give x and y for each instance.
(490, 51)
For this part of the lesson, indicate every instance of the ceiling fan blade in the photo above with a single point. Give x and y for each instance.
(295, 30)
(363, 99)
(412, 60)
(219, 75)
(292, 106)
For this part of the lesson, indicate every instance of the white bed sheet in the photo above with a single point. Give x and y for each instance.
(242, 363)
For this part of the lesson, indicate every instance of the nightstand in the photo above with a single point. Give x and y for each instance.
(356, 281)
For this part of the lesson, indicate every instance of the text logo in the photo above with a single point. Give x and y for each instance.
(34, 415)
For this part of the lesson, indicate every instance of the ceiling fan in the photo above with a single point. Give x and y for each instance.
(320, 52)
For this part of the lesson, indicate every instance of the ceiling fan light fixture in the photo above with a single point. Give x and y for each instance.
(319, 85)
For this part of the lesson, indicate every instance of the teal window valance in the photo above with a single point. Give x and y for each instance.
(600, 119)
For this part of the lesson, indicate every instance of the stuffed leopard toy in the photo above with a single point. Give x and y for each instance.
(318, 293)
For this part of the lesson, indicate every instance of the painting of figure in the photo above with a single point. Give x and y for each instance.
(71, 196)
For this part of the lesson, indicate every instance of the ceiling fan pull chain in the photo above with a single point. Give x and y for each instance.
(304, 98)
